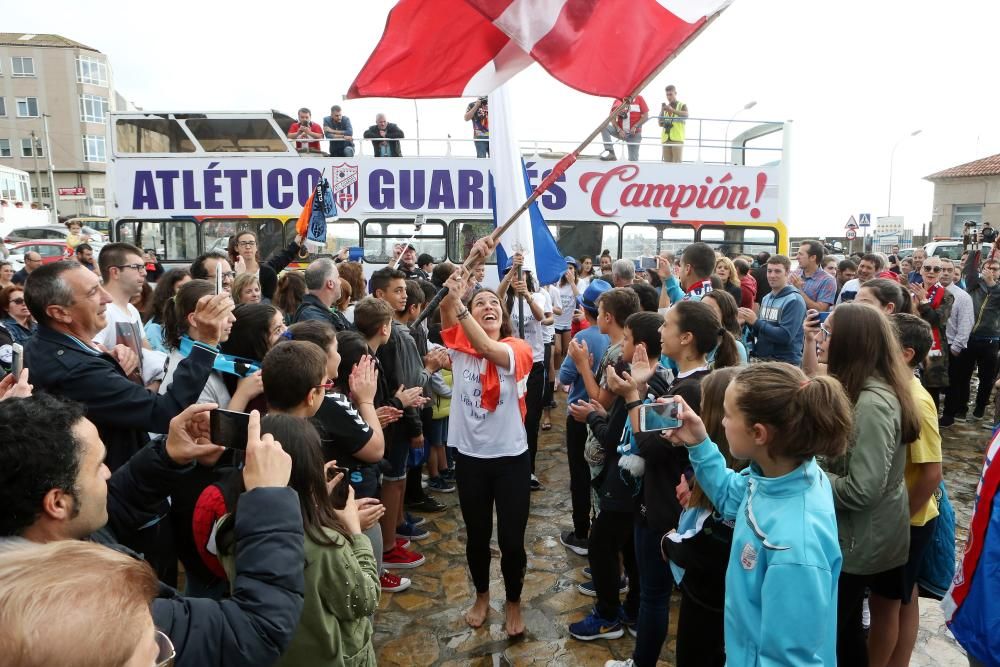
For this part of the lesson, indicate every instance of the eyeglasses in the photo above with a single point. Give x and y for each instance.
(229, 274)
(326, 386)
(826, 332)
(246, 244)
(165, 650)
(19, 301)
(141, 268)
(29, 259)
(932, 269)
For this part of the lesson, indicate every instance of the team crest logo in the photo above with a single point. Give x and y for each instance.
(748, 557)
(345, 186)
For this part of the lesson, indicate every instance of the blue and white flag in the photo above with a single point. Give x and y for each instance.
(509, 188)
(323, 209)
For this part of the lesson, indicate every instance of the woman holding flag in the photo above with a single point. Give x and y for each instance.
(490, 369)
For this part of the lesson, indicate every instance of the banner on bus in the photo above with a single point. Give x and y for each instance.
(589, 190)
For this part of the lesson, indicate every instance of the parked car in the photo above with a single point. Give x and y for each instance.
(51, 251)
(952, 249)
(49, 233)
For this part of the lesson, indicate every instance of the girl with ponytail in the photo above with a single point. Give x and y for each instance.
(785, 559)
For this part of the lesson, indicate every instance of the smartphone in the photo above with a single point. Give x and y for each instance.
(648, 263)
(218, 277)
(822, 316)
(338, 497)
(638, 264)
(659, 416)
(16, 361)
(355, 253)
(229, 429)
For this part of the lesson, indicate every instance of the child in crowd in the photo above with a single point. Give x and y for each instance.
(860, 349)
(922, 475)
(596, 342)
(781, 581)
(698, 550)
(341, 576)
(611, 532)
(727, 311)
(690, 332)
(440, 476)
(373, 319)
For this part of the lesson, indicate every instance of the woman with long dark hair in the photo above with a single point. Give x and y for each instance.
(288, 296)
(486, 426)
(341, 578)
(861, 349)
(163, 293)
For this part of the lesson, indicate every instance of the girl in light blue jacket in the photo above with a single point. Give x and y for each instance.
(781, 583)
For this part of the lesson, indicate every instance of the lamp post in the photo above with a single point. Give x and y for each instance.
(48, 154)
(745, 107)
(892, 160)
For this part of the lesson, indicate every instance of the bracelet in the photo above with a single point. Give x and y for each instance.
(632, 404)
(367, 403)
(462, 315)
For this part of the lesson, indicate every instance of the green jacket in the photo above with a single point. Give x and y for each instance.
(869, 493)
(341, 594)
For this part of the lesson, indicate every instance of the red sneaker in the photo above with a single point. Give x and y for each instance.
(400, 558)
(393, 584)
(402, 542)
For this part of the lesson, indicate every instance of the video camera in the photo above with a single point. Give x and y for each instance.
(970, 236)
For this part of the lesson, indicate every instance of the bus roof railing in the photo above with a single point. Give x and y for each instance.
(259, 133)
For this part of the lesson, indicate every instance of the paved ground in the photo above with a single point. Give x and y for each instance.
(424, 625)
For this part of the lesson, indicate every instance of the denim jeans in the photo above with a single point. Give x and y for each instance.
(610, 133)
(654, 596)
(482, 147)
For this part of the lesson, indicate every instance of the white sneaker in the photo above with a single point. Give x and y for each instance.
(620, 663)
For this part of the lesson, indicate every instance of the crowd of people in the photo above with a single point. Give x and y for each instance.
(626, 126)
(765, 440)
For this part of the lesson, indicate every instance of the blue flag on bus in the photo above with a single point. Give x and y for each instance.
(323, 208)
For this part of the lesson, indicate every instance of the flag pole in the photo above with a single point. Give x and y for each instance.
(565, 163)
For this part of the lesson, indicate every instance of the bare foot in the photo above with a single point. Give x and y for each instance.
(476, 616)
(515, 623)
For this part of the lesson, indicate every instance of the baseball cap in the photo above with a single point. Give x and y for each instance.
(588, 300)
(571, 260)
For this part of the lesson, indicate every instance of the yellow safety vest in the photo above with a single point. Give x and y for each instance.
(676, 131)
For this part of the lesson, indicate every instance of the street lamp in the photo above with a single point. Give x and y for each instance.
(892, 160)
(745, 107)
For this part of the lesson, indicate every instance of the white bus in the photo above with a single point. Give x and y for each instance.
(183, 183)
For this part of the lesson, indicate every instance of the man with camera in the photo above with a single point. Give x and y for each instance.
(479, 113)
(304, 128)
(338, 127)
(626, 126)
(672, 115)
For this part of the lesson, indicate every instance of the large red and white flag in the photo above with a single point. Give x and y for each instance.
(461, 48)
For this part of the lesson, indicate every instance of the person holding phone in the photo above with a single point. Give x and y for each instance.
(785, 556)
(341, 577)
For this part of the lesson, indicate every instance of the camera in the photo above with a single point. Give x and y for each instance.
(484, 100)
(970, 238)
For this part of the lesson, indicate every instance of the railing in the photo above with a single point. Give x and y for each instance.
(701, 145)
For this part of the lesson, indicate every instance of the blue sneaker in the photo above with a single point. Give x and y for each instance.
(411, 532)
(630, 622)
(414, 519)
(594, 627)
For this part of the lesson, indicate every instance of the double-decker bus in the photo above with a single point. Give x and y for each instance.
(183, 183)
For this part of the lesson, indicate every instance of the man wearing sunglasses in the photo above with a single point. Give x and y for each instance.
(49, 439)
(934, 305)
(32, 260)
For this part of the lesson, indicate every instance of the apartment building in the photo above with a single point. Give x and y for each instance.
(52, 80)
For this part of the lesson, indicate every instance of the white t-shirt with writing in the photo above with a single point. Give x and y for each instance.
(549, 330)
(473, 430)
(567, 301)
(532, 327)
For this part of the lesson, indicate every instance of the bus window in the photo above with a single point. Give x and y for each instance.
(732, 240)
(585, 238)
(216, 232)
(237, 135)
(382, 236)
(152, 134)
(647, 239)
(343, 233)
(464, 233)
(174, 241)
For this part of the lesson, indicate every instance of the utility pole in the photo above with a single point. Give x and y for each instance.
(52, 178)
(36, 146)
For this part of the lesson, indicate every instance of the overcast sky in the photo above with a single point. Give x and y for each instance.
(854, 76)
